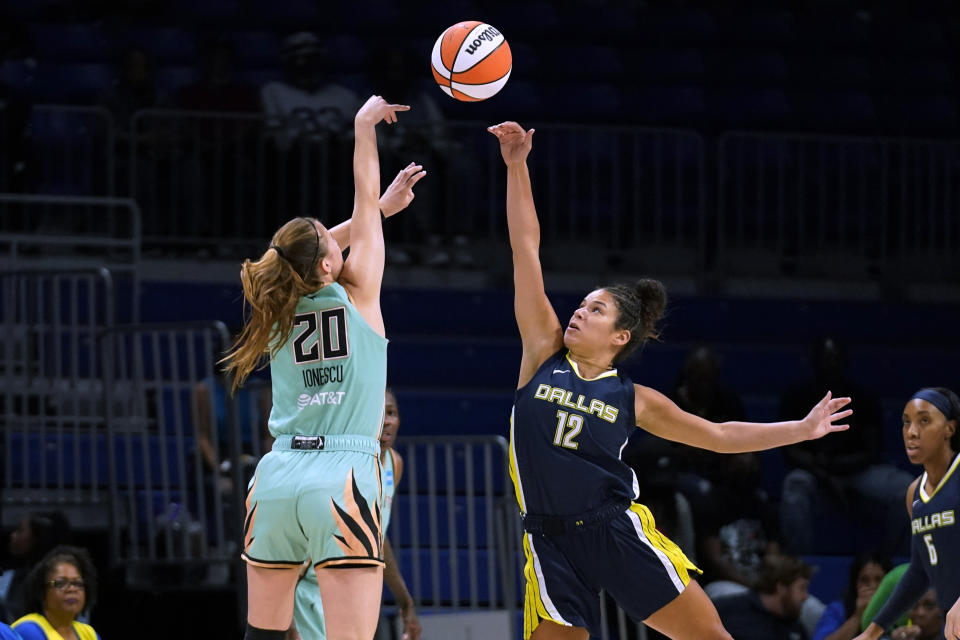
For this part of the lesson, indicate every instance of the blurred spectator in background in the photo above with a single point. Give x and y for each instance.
(213, 431)
(736, 527)
(699, 390)
(445, 211)
(926, 620)
(134, 89)
(847, 473)
(218, 89)
(841, 619)
(771, 611)
(305, 103)
(58, 591)
(33, 538)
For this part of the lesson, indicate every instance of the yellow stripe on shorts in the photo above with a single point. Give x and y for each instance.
(534, 609)
(662, 543)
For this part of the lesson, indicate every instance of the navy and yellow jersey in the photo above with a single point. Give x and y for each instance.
(936, 534)
(567, 434)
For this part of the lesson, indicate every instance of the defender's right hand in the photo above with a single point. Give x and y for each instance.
(515, 143)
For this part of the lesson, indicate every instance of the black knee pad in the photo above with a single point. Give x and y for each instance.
(253, 633)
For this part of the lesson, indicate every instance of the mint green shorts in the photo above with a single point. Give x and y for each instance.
(308, 608)
(316, 504)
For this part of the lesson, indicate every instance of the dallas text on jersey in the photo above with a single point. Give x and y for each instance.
(564, 398)
(933, 521)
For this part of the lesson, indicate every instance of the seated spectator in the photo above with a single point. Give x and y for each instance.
(841, 619)
(926, 620)
(133, 90)
(423, 134)
(771, 611)
(737, 527)
(304, 103)
(252, 402)
(880, 597)
(699, 390)
(33, 538)
(58, 591)
(217, 89)
(847, 472)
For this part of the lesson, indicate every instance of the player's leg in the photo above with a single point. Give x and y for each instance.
(308, 608)
(690, 616)
(274, 548)
(341, 517)
(649, 577)
(548, 630)
(270, 598)
(351, 601)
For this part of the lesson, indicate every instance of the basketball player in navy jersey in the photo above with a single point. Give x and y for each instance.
(572, 415)
(930, 422)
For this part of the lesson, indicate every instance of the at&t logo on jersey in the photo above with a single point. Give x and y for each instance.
(322, 398)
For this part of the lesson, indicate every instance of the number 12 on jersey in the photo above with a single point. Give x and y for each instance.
(571, 424)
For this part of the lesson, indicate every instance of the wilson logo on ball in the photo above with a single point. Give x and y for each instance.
(471, 61)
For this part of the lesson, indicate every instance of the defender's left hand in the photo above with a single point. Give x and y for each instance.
(822, 418)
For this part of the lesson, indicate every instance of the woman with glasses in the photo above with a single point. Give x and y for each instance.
(58, 591)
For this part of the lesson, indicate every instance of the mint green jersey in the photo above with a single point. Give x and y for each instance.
(330, 375)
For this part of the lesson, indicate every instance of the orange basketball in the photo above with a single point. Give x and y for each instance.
(471, 61)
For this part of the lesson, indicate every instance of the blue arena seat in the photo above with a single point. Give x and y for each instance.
(412, 522)
(678, 27)
(830, 110)
(669, 65)
(256, 48)
(74, 42)
(836, 70)
(749, 107)
(19, 75)
(655, 105)
(427, 467)
(69, 82)
(438, 590)
(829, 581)
(165, 45)
(587, 63)
(769, 27)
(173, 78)
(440, 411)
(751, 68)
(842, 30)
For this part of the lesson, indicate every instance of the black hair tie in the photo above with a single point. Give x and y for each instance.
(279, 252)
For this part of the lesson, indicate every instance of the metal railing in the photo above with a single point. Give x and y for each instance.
(455, 523)
(47, 231)
(830, 205)
(171, 517)
(50, 387)
(635, 199)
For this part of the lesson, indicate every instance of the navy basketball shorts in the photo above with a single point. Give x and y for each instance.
(625, 555)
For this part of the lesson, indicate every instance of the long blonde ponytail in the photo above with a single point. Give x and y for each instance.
(272, 287)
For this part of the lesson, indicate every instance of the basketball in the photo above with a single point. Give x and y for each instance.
(471, 61)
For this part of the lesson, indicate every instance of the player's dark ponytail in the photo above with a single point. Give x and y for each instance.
(272, 287)
(639, 307)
